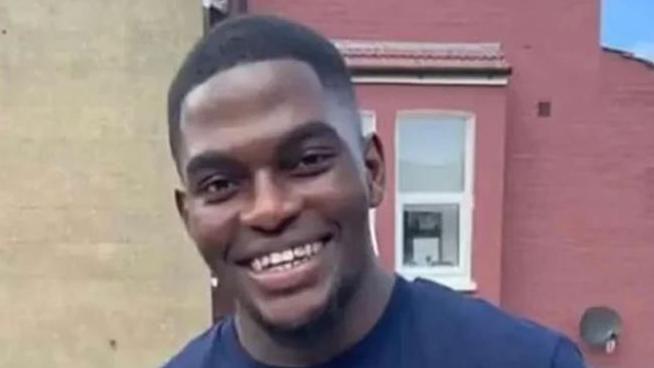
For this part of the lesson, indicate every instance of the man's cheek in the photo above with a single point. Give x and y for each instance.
(209, 234)
(346, 200)
(339, 187)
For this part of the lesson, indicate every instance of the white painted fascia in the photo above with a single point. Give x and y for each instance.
(433, 80)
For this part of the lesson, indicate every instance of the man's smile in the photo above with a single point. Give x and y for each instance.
(287, 259)
(291, 268)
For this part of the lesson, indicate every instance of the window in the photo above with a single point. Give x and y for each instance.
(369, 125)
(434, 196)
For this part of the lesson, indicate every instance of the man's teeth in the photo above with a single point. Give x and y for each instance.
(285, 260)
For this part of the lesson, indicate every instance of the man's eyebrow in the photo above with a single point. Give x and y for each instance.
(206, 160)
(313, 128)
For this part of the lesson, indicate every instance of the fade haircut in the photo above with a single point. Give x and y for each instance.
(252, 38)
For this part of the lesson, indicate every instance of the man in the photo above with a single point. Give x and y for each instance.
(277, 183)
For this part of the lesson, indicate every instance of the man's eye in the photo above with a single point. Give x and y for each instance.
(313, 159)
(313, 163)
(217, 189)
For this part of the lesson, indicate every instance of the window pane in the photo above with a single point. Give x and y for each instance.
(431, 154)
(431, 235)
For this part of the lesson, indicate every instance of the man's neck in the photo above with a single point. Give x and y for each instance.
(365, 307)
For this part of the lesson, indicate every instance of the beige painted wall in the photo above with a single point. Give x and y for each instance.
(91, 250)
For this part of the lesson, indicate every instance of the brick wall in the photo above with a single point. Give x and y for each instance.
(95, 270)
(580, 221)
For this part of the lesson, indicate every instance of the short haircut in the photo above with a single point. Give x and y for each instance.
(253, 38)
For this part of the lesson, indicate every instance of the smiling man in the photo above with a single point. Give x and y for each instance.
(277, 181)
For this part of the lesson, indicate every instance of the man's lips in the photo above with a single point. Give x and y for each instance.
(276, 251)
(288, 271)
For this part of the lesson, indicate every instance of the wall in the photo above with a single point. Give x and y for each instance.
(587, 206)
(626, 180)
(95, 270)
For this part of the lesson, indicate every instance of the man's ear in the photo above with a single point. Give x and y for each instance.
(182, 208)
(373, 157)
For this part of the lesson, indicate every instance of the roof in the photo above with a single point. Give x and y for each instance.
(629, 56)
(423, 56)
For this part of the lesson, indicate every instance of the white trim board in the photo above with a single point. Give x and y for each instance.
(432, 80)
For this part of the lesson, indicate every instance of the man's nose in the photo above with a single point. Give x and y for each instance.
(272, 205)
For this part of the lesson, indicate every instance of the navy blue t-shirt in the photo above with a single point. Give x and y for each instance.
(424, 325)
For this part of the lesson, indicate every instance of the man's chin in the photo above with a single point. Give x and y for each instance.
(303, 312)
(294, 319)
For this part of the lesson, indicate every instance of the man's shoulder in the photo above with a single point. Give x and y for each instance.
(197, 353)
(483, 331)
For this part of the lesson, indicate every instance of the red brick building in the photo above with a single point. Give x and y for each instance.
(520, 154)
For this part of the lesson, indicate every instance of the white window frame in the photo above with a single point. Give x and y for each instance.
(457, 277)
(373, 212)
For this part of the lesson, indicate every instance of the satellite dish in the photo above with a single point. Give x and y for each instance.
(600, 327)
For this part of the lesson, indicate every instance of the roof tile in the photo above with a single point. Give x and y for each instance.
(422, 56)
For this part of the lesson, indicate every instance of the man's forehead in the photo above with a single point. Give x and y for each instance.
(273, 96)
(257, 83)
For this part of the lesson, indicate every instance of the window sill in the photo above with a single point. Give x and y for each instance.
(456, 282)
